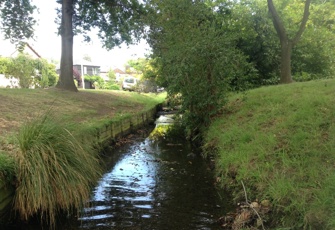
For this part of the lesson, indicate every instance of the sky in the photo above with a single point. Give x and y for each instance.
(48, 43)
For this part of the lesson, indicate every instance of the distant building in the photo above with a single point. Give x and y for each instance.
(104, 73)
(120, 74)
(8, 82)
(86, 68)
(82, 68)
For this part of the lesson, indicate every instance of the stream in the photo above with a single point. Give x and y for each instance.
(154, 185)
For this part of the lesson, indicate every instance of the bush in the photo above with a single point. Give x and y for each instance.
(28, 71)
(55, 171)
(303, 76)
(96, 80)
(146, 86)
(111, 86)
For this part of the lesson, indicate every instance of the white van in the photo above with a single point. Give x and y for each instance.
(129, 83)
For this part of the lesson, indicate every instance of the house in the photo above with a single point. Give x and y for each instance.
(13, 51)
(86, 68)
(104, 73)
(82, 68)
(8, 82)
(120, 74)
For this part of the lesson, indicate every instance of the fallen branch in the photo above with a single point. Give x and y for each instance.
(247, 202)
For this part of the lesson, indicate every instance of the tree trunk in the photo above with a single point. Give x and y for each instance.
(285, 67)
(66, 80)
(286, 43)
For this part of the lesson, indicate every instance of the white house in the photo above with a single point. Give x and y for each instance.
(8, 83)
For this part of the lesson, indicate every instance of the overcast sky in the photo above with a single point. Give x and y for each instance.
(48, 43)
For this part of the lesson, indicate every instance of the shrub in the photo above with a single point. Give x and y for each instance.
(55, 171)
(96, 80)
(111, 86)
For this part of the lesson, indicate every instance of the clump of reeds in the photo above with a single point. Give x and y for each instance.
(55, 171)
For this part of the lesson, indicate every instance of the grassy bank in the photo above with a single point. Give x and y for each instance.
(40, 152)
(279, 141)
(85, 109)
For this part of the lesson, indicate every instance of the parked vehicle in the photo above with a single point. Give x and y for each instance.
(129, 83)
(160, 89)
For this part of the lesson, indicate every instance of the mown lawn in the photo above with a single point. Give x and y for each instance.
(84, 107)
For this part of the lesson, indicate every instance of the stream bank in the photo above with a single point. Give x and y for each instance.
(99, 137)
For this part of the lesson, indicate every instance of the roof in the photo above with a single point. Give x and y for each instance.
(117, 70)
(84, 62)
(33, 50)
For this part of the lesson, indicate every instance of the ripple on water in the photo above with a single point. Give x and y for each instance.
(154, 186)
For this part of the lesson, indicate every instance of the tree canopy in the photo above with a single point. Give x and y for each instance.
(196, 56)
(117, 21)
(287, 42)
(17, 22)
(204, 49)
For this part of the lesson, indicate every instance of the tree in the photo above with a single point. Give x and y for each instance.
(195, 56)
(111, 75)
(4, 62)
(316, 44)
(117, 21)
(258, 39)
(66, 63)
(17, 21)
(23, 69)
(138, 64)
(45, 73)
(30, 72)
(87, 57)
(287, 43)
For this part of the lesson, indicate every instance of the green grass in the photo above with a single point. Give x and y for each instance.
(84, 107)
(7, 167)
(55, 171)
(279, 141)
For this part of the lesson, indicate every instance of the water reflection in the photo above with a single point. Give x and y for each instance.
(150, 185)
(154, 185)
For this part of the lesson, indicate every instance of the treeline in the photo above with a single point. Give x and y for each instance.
(203, 50)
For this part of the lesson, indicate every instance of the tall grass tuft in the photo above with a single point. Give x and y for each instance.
(55, 171)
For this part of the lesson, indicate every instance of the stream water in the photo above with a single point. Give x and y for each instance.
(154, 185)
